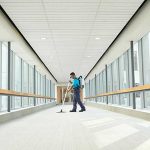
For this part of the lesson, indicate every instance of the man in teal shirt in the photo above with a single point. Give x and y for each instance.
(76, 89)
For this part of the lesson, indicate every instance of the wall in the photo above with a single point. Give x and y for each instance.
(9, 33)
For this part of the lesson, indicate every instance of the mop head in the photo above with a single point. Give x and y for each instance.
(61, 111)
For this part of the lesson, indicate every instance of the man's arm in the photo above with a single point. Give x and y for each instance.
(68, 90)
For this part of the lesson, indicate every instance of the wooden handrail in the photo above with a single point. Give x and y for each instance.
(123, 91)
(14, 93)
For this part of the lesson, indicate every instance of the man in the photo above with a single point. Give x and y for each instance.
(76, 89)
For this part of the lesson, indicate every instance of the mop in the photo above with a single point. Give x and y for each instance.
(61, 111)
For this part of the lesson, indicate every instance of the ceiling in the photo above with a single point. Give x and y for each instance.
(70, 35)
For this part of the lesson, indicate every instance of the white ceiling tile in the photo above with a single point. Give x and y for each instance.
(70, 28)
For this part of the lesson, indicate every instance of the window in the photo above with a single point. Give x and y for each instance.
(124, 77)
(25, 83)
(3, 74)
(94, 89)
(146, 66)
(52, 90)
(104, 84)
(97, 86)
(39, 87)
(119, 76)
(22, 80)
(4, 62)
(101, 86)
(16, 101)
(115, 76)
(137, 74)
(87, 89)
(109, 82)
(31, 84)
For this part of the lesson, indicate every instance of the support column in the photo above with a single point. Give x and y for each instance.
(89, 89)
(119, 96)
(21, 81)
(106, 84)
(9, 76)
(132, 72)
(34, 72)
(45, 87)
(50, 89)
(95, 89)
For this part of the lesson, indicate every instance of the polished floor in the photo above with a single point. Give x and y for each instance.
(91, 130)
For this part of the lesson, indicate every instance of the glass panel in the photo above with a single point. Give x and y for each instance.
(31, 80)
(104, 85)
(48, 88)
(97, 86)
(39, 87)
(137, 71)
(87, 89)
(130, 78)
(94, 90)
(4, 74)
(17, 82)
(31, 84)
(36, 75)
(146, 66)
(53, 90)
(25, 84)
(4, 65)
(3, 103)
(109, 82)
(115, 81)
(124, 77)
(101, 87)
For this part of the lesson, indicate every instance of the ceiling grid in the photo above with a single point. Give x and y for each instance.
(70, 35)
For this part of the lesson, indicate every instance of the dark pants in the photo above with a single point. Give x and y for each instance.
(76, 99)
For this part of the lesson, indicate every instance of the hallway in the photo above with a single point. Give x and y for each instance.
(99, 49)
(91, 130)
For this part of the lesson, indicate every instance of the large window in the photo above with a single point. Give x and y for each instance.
(31, 84)
(93, 88)
(3, 74)
(115, 76)
(87, 89)
(109, 82)
(104, 84)
(137, 78)
(97, 86)
(124, 77)
(4, 66)
(17, 101)
(120, 76)
(146, 66)
(52, 90)
(100, 87)
(21, 80)
(39, 87)
(25, 83)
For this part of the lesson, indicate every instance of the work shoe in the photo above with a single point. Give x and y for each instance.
(72, 110)
(82, 110)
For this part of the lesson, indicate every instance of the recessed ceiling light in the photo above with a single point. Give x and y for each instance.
(97, 38)
(88, 56)
(43, 38)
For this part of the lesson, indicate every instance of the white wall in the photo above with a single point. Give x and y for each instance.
(9, 33)
(138, 27)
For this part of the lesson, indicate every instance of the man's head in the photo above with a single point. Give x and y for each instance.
(72, 75)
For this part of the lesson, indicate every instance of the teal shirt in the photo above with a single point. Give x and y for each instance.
(75, 83)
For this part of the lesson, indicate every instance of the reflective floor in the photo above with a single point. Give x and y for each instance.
(91, 130)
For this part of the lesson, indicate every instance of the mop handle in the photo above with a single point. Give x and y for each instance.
(65, 95)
